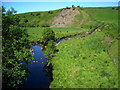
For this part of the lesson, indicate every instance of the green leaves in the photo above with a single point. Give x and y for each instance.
(15, 51)
(48, 35)
(50, 50)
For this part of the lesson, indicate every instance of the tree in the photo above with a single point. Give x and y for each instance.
(37, 14)
(25, 20)
(73, 6)
(15, 45)
(78, 6)
(50, 12)
(113, 8)
(48, 34)
(50, 50)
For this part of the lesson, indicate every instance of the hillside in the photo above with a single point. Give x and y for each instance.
(70, 17)
(37, 19)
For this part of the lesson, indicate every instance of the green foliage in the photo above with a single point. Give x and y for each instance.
(50, 50)
(73, 6)
(78, 6)
(48, 34)
(25, 20)
(15, 45)
(45, 25)
(50, 12)
(37, 14)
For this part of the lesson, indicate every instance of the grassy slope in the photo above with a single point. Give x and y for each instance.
(84, 20)
(84, 63)
(44, 18)
(106, 15)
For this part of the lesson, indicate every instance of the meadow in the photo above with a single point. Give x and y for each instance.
(83, 62)
(35, 34)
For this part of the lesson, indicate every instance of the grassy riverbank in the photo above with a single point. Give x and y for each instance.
(83, 62)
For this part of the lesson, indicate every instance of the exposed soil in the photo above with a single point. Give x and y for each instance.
(65, 17)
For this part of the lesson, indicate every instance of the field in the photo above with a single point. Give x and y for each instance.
(84, 62)
(37, 19)
(35, 34)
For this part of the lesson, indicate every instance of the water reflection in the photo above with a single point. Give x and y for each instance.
(40, 77)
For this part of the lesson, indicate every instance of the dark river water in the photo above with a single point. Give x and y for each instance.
(39, 78)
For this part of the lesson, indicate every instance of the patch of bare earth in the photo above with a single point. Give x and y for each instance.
(65, 17)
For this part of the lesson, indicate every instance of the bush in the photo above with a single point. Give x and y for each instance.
(37, 14)
(45, 25)
(73, 6)
(25, 20)
(50, 12)
(67, 7)
(15, 46)
(78, 6)
(48, 35)
(50, 50)
(112, 8)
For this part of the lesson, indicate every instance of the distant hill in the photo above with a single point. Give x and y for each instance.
(70, 17)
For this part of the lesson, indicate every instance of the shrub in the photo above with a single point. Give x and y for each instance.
(45, 25)
(50, 50)
(48, 35)
(15, 46)
(37, 14)
(73, 6)
(78, 6)
(25, 20)
(31, 14)
(67, 7)
(50, 12)
(112, 8)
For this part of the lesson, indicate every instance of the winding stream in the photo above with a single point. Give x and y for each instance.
(38, 78)
(41, 77)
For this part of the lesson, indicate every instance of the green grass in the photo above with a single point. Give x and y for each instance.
(35, 34)
(114, 51)
(104, 14)
(45, 18)
(84, 63)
